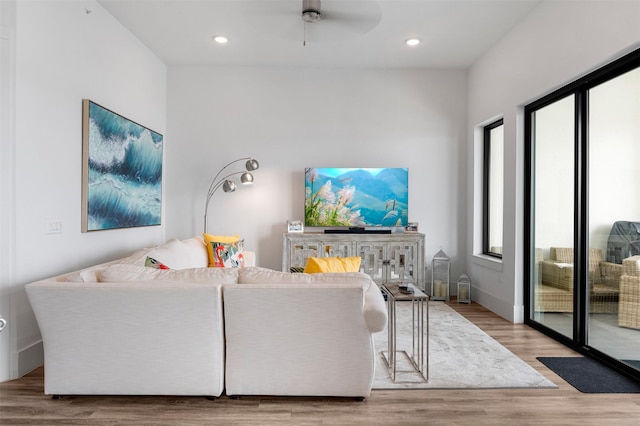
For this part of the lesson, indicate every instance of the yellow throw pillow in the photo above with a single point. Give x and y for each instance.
(223, 239)
(332, 264)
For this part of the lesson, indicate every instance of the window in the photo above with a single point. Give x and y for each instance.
(493, 189)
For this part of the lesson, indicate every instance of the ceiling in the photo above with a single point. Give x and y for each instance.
(352, 33)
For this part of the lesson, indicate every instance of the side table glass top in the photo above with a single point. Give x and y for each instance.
(412, 292)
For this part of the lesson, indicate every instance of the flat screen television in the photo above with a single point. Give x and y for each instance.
(356, 197)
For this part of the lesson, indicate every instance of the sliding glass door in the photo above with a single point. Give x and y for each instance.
(614, 216)
(583, 214)
(553, 136)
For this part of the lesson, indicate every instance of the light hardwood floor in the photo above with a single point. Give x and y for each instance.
(23, 402)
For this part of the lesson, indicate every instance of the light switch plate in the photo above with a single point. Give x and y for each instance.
(55, 227)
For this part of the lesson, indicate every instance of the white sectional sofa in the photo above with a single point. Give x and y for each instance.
(125, 329)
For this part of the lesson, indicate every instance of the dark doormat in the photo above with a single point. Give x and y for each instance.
(632, 362)
(589, 376)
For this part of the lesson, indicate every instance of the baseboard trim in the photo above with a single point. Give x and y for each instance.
(30, 358)
(505, 309)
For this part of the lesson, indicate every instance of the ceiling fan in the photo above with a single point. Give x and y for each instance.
(333, 20)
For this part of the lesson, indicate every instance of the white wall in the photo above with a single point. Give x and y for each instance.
(555, 44)
(64, 54)
(290, 119)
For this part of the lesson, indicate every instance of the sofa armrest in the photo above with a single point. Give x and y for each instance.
(375, 309)
(629, 308)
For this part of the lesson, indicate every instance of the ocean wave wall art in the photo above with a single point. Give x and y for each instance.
(122, 171)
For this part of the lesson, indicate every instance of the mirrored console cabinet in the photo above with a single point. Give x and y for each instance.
(387, 258)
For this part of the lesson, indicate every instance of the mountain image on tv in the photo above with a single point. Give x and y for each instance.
(356, 197)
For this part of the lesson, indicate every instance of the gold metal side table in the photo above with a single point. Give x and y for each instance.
(420, 326)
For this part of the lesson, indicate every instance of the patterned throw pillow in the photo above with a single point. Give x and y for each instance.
(152, 263)
(209, 239)
(227, 255)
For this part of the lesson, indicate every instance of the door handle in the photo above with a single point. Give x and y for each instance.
(3, 323)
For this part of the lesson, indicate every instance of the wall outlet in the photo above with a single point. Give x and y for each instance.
(55, 227)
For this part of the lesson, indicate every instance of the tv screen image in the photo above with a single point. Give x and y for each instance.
(356, 197)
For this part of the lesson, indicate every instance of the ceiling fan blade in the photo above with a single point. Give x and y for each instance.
(346, 19)
(359, 23)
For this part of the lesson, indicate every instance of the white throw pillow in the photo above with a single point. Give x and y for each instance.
(91, 275)
(133, 273)
(197, 250)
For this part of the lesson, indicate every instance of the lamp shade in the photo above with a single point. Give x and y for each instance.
(246, 178)
(252, 165)
(228, 186)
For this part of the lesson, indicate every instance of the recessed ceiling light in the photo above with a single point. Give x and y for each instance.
(220, 39)
(413, 41)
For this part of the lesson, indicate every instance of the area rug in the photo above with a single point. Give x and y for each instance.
(461, 356)
(589, 376)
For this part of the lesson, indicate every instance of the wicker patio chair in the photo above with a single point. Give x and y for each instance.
(555, 294)
(629, 308)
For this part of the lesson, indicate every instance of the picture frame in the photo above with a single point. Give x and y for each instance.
(121, 171)
(295, 226)
(411, 227)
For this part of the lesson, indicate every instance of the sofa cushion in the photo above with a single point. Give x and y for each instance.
(563, 254)
(133, 273)
(332, 264)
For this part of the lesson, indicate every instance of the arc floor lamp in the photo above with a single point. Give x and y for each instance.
(229, 185)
